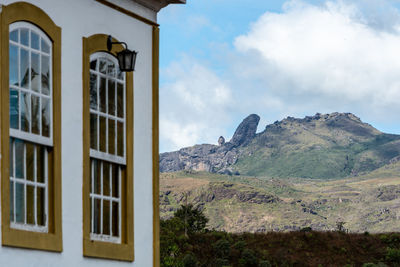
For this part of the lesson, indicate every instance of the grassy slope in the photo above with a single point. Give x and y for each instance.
(302, 202)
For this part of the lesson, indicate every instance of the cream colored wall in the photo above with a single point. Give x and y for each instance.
(79, 18)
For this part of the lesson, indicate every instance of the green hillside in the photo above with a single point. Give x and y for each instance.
(334, 146)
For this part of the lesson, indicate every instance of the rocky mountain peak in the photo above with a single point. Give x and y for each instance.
(246, 130)
(312, 142)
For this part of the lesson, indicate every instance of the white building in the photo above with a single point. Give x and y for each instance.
(79, 138)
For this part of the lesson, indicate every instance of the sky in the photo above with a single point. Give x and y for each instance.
(222, 60)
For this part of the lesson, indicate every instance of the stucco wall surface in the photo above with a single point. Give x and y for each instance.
(77, 19)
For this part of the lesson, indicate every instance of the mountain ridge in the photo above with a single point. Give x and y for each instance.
(334, 145)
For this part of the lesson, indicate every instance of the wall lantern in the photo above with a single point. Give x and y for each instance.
(126, 58)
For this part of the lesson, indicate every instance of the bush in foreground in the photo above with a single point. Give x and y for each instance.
(202, 248)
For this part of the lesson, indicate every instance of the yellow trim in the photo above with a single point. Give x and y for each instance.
(127, 12)
(156, 172)
(91, 248)
(52, 240)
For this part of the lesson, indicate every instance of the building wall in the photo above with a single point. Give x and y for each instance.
(77, 19)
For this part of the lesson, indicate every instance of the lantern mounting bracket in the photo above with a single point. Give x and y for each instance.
(126, 58)
(110, 43)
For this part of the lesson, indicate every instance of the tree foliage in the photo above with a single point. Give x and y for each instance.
(193, 219)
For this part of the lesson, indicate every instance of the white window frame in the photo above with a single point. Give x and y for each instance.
(111, 199)
(31, 137)
(35, 139)
(25, 226)
(97, 153)
(102, 157)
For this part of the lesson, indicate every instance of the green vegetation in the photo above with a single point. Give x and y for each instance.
(202, 247)
(317, 160)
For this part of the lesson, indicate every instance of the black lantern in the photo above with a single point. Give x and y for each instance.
(126, 58)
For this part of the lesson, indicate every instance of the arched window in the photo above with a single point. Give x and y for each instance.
(30, 125)
(107, 153)
(31, 128)
(107, 146)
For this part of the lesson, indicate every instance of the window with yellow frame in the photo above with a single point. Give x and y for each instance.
(107, 153)
(30, 128)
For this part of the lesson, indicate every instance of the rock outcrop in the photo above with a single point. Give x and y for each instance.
(246, 131)
(221, 140)
(212, 158)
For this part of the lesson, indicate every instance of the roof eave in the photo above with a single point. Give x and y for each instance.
(157, 5)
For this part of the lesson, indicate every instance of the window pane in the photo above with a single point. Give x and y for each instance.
(103, 130)
(96, 176)
(11, 159)
(45, 75)
(106, 217)
(40, 202)
(115, 181)
(103, 66)
(106, 179)
(34, 40)
(40, 158)
(45, 117)
(19, 158)
(110, 69)
(24, 68)
(30, 204)
(93, 91)
(120, 139)
(96, 214)
(120, 74)
(93, 64)
(24, 37)
(35, 109)
(120, 100)
(20, 202)
(35, 72)
(30, 162)
(93, 131)
(115, 219)
(45, 47)
(14, 35)
(111, 97)
(13, 67)
(14, 109)
(11, 201)
(103, 99)
(25, 111)
(111, 137)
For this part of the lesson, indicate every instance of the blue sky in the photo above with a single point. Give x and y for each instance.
(222, 60)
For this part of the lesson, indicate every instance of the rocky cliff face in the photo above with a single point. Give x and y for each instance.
(320, 146)
(212, 158)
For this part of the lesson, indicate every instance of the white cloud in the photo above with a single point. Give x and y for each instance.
(325, 53)
(194, 107)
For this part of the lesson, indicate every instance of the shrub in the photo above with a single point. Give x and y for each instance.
(380, 264)
(340, 226)
(222, 248)
(248, 259)
(189, 260)
(393, 255)
(221, 262)
(240, 245)
(306, 229)
(265, 263)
